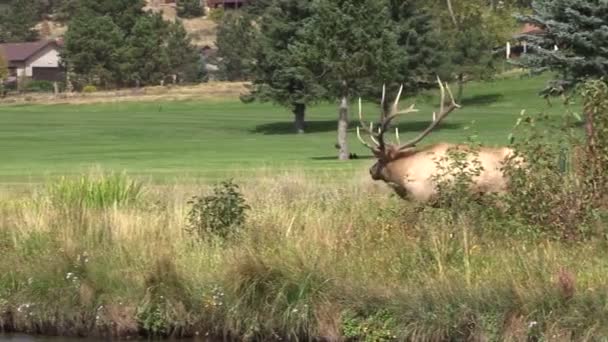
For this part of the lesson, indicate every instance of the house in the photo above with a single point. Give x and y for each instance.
(226, 3)
(34, 60)
(520, 45)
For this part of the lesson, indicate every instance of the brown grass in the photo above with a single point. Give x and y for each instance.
(206, 91)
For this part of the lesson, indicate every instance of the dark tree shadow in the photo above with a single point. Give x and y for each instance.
(321, 126)
(335, 157)
(478, 100)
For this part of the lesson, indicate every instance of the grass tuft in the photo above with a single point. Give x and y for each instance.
(96, 191)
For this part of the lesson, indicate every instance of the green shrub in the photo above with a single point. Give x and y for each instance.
(595, 172)
(219, 214)
(100, 192)
(39, 87)
(546, 194)
(89, 89)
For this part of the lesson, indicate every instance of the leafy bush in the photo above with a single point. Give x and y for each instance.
(101, 192)
(454, 181)
(39, 87)
(595, 172)
(546, 194)
(220, 213)
(89, 89)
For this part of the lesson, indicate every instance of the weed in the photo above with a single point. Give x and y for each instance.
(220, 214)
(99, 192)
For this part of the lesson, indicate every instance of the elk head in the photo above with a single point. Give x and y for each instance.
(387, 153)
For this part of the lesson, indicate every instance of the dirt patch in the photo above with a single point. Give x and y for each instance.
(205, 91)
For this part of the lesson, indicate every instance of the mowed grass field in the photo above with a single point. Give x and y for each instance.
(225, 138)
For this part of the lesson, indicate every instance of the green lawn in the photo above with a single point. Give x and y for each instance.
(172, 140)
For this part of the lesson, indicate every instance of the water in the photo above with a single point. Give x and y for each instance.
(29, 338)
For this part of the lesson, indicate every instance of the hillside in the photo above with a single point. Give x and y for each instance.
(202, 30)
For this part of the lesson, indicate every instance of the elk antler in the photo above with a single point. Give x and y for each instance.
(378, 137)
(437, 118)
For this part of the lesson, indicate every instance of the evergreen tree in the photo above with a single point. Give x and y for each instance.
(579, 29)
(235, 38)
(17, 21)
(421, 54)
(352, 46)
(282, 72)
(92, 48)
(124, 13)
(151, 50)
(184, 60)
(190, 8)
(145, 56)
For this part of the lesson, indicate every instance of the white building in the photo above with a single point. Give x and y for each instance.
(36, 60)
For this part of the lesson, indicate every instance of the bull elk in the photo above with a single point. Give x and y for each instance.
(409, 169)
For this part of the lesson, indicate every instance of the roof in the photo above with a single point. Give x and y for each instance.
(18, 52)
(531, 29)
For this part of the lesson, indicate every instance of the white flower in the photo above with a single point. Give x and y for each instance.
(532, 324)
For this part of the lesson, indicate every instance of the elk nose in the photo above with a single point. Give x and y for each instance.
(373, 171)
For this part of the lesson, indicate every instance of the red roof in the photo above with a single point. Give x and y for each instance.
(19, 52)
(531, 29)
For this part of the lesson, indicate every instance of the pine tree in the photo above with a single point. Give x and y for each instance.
(145, 57)
(351, 45)
(281, 72)
(421, 54)
(17, 21)
(92, 49)
(124, 13)
(579, 29)
(103, 52)
(184, 60)
(235, 38)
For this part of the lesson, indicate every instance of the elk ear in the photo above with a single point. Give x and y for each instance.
(394, 153)
(377, 153)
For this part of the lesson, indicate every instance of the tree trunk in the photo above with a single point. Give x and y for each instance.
(460, 87)
(299, 111)
(343, 129)
(452, 15)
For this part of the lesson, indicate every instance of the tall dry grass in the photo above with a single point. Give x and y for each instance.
(316, 259)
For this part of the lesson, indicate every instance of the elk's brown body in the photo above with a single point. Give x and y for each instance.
(409, 170)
